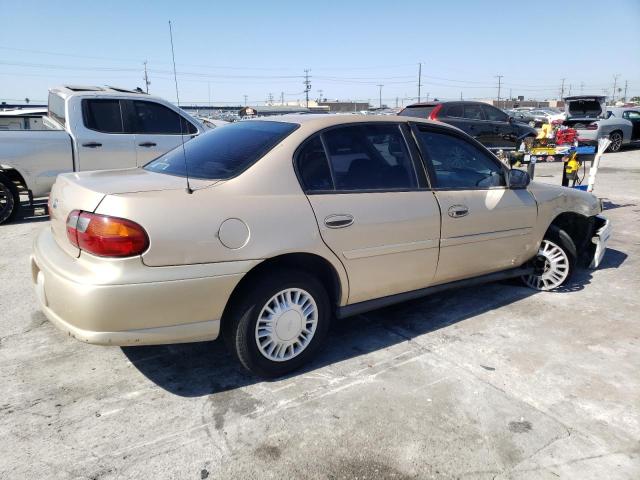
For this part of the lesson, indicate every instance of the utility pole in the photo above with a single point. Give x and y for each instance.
(562, 89)
(581, 88)
(245, 99)
(460, 96)
(146, 78)
(209, 92)
(270, 99)
(380, 96)
(281, 98)
(626, 84)
(569, 90)
(499, 77)
(615, 83)
(396, 102)
(419, 79)
(307, 86)
(320, 93)
(427, 96)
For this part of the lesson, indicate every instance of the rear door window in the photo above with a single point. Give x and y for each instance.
(223, 152)
(313, 166)
(473, 112)
(370, 157)
(103, 115)
(455, 111)
(153, 118)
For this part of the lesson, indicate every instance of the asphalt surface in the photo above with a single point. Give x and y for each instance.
(490, 382)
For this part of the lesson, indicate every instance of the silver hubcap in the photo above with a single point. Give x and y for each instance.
(286, 324)
(555, 269)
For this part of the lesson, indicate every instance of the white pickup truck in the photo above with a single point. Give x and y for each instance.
(86, 128)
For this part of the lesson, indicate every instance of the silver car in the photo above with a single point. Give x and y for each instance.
(594, 120)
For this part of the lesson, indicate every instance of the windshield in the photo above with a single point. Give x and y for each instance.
(225, 151)
(420, 112)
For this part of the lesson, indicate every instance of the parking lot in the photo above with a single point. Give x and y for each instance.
(491, 382)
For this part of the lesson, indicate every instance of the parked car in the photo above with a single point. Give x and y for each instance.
(594, 120)
(87, 128)
(523, 116)
(548, 116)
(289, 221)
(487, 124)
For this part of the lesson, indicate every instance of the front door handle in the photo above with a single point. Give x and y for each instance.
(338, 220)
(92, 144)
(457, 211)
(147, 144)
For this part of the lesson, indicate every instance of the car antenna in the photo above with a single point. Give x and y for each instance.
(175, 78)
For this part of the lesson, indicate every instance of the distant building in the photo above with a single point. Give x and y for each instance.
(347, 107)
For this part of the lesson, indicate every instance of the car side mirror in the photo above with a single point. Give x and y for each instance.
(511, 119)
(518, 179)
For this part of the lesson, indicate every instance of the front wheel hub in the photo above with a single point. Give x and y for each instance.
(550, 267)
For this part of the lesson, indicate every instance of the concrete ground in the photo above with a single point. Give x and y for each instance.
(489, 382)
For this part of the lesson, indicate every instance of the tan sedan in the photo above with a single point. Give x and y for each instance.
(285, 223)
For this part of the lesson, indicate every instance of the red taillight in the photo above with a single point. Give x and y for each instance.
(592, 126)
(434, 113)
(106, 236)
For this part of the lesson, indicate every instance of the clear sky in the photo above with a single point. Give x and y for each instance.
(253, 48)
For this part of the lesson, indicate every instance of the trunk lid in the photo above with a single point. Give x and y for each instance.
(85, 190)
(584, 107)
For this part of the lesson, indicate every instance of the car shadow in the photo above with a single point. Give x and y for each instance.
(205, 368)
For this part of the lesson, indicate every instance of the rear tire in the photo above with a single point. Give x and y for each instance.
(278, 323)
(554, 263)
(9, 199)
(616, 142)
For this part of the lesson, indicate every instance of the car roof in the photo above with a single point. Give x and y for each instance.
(67, 91)
(447, 102)
(320, 121)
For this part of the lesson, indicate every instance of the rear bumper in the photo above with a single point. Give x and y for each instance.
(155, 305)
(602, 234)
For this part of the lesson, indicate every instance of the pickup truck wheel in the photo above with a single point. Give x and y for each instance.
(9, 199)
(554, 262)
(616, 142)
(279, 323)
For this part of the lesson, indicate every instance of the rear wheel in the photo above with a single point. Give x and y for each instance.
(279, 322)
(616, 141)
(554, 263)
(9, 199)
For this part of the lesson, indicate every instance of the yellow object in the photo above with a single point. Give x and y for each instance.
(545, 131)
(573, 165)
(543, 151)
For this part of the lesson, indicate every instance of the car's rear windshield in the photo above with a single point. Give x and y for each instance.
(223, 152)
(420, 112)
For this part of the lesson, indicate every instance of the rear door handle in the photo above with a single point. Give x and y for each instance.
(339, 220)
(92, 144)
(457, 211)
(147, 144)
